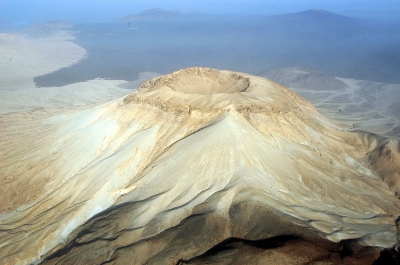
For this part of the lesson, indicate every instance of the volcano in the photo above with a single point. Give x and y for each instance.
(198, 166)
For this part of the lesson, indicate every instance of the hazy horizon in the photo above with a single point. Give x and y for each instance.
(238, 35)
(29, 12)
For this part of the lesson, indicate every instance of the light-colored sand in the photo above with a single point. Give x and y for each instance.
(77, 94)
(362, 106)
(22, 59)
(356, 105)
(177, 171)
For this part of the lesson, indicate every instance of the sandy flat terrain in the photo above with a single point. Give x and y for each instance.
(77, 94)
(356, 105)
(23, 58)
(363, 105)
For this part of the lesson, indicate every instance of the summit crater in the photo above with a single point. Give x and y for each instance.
(200, 81)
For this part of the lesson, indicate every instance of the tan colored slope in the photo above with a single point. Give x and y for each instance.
(385, 161)
(172, 170)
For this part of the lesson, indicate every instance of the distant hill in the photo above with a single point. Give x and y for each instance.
(313, 19)
(313, 15)
(159, 14)
(302, 77)
(55, 24)
(314, 24)
(46, 29)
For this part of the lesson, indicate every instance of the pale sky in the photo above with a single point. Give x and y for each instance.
(16, 12)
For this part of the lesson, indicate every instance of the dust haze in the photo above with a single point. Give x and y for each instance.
(353, 39)
(249, 37)
(337, 45)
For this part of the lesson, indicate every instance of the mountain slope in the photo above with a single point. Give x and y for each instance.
(192, 159)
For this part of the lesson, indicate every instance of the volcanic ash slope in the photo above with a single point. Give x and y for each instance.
(191, 159)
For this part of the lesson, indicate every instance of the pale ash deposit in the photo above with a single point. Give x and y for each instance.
(189, 160)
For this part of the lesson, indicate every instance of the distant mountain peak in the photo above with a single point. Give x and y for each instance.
(322, 13)
(319, 10)
(156, 11)
(150, 14)
(160, 14)
(46, 29)
(314, 16)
